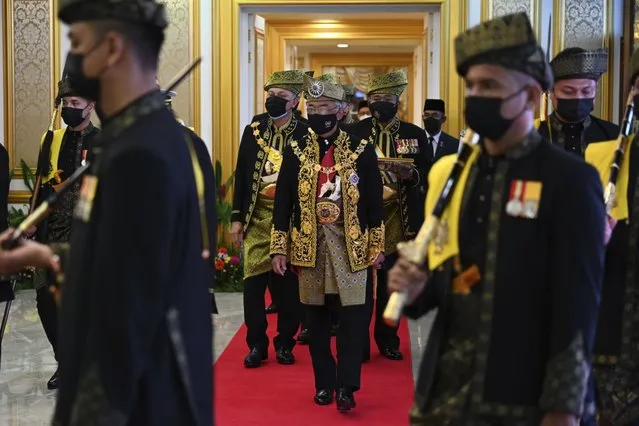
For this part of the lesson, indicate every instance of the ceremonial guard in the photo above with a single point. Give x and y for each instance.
(328, 205)
(516, 263)
(257, 174)
(616, 352)
(66, 152)
(571, 125)
(135, 326)
(403, 194)
(441, 143)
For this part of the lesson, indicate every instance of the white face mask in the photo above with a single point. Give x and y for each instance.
(364, 117)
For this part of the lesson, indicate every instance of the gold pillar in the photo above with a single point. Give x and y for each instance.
(226, 89)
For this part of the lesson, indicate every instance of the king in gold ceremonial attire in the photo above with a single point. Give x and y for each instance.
(571, 125)
(257, 173)
(330, 192)
(516, 266)
(616, 350)
(403, 193)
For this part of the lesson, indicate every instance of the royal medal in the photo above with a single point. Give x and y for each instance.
(515, 207)
(531, 196)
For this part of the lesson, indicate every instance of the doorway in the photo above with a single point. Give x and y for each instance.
(306, 35)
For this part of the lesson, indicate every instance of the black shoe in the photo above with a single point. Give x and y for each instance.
(304, 337)
(272, 309)
(53, 381)
(285, 356)
(345, 400)
(392, 354)
(323, 397)
(255, 358)
(334, 329)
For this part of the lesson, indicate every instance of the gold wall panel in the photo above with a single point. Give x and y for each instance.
(226, 90)
(585, 24)
(494, 8)
(181, 46)
(30, 58)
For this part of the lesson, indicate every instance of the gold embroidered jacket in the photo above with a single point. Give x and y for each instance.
(257, 139)
(296, 197)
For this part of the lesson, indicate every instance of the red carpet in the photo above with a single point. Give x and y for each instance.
(282, 395)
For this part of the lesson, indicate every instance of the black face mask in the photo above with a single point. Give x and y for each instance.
(322, 124)
(88, 88)
(483, 115)
(384, 111)
(72, 116)
(276, 106)
(575, 110)
(432, 125)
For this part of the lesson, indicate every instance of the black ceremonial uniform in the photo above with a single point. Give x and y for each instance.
(575, 137)
(501, 348)
(129, 326)
(515, 268)
(408, 217)
(248, 193)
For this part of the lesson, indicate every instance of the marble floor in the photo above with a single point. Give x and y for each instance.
(28, 362)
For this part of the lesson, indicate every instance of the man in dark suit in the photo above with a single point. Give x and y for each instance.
(441, 142)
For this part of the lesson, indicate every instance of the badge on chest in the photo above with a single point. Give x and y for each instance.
(524, 198)
(85, 200)
(406, 146)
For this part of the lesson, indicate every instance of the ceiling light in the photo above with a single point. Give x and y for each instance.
(342, 46)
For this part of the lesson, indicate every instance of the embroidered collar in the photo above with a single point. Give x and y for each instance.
(90, 128)
(147, 104)
(557, 130)
(522, 149)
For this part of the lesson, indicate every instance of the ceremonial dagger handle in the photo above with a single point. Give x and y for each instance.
(416, 250)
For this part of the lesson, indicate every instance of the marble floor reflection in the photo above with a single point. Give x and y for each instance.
(27, 359)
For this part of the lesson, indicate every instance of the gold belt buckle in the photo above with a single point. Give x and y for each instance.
(327, 212)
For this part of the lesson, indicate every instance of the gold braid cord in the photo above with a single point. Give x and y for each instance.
(279, 242)
(377, 242)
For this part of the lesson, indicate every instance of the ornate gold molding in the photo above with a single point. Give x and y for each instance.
(226, 90)
(19, 197)
(196, 87)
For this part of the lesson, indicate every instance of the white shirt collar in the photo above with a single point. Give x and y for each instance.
(436, 137)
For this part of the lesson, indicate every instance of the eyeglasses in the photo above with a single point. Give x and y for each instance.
(323, 110)
(435, 115)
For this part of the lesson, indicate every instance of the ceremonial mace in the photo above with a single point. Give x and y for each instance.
(543, 113)
(622, 144)
(416, 250)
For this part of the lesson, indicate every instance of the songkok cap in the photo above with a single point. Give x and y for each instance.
(292, 80)
(634, 67)
(362, 104)
(575, 62)
(349, 91)
(392, 83)
(323, 87)
(435, 105)
(64, 88)
(309, 73)
(143, 12)
(507, 41)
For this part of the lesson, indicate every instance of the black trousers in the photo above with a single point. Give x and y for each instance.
(346, 372)
(285, 294)
(335, 308)
(48, 313)
(385, 335)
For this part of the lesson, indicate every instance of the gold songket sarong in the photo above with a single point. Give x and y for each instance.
(332, 274)
(257, 241)
(392, 220)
